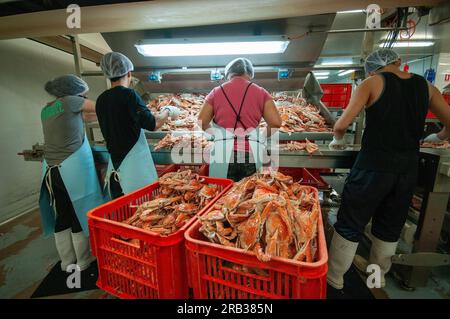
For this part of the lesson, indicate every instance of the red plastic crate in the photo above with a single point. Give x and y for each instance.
(336, 94)
(212, 276)
(303, 176)
(155, 267)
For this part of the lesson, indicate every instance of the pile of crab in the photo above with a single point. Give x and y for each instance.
(299, 116)
(190, 105)
(181, 195)
(183, 141)
(266, 213)
(307, 146)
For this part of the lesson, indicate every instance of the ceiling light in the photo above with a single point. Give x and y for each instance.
(412, 44)
(346, 72)
(321, 77)
(351, 11)
(212, 48)
(344, 62)
(321, 73)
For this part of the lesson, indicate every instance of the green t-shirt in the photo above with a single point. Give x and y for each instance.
(63, 127)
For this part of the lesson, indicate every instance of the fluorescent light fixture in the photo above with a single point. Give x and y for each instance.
(346, 72)
(351, 11)
(321, 77)
(212, 48)
(412, 44)
(344, 62)
(318, 73)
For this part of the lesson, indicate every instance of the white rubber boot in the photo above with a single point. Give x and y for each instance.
(64, 246)
(381, 253)
(340, 259)
(82, 250)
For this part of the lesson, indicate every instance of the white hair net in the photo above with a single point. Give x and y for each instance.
(66, 85)
(239, 66)
(115, 64)
(380, 58)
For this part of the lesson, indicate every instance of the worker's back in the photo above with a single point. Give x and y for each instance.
(115, 108)
(394, 124)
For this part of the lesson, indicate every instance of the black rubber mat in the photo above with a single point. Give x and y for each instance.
(56, 282)
(354, 287)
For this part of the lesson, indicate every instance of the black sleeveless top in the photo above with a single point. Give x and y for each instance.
(394, 125)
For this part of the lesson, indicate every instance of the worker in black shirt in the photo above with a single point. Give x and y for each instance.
(122, 115)
(381, 183)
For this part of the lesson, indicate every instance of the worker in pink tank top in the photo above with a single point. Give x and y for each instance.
(238, 106)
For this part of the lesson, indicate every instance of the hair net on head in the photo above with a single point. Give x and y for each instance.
(380, 58)
(239, 66)
(66, 85)
(115, 64)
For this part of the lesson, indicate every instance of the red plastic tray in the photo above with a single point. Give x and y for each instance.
(336, 94)
(212, 277)
(155, 267)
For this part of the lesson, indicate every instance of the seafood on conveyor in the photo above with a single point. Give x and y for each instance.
(307, 146)
(268, 214)
(181, 195)
(443, 144)
(183, 141)
(189, 104)
(299, 116)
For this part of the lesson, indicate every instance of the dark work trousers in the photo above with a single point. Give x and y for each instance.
(65, 213)
(384, 197)
(240, 167)
(115, 188)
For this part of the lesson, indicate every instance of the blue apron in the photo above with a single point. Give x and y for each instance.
(80, 179)
(136, 170)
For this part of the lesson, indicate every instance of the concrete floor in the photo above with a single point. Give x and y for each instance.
(26, 257)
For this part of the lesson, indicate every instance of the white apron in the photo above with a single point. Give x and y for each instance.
(136, 170)
(221, 153)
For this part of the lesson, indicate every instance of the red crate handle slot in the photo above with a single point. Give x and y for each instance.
(123, 242)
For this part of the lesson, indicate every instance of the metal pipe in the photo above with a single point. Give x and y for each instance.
(361, 30)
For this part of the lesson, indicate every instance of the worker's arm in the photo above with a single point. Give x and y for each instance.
(205, 116)
(141, 114)
(88, 111)
(359, 99)
(441, 109)
(271, 116)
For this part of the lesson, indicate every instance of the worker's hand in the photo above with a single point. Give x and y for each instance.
(337, 144)
(174, 111)
(432, 138)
